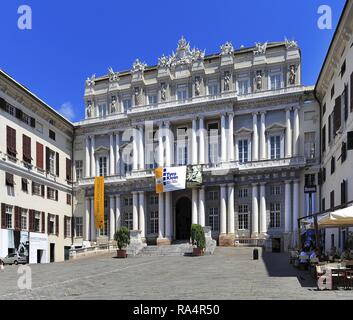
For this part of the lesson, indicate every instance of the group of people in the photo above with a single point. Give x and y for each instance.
(308, 254)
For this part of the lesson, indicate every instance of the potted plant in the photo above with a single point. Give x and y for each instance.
(198, 240)
(122, 237)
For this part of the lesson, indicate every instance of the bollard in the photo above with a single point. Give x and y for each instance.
(256, 254)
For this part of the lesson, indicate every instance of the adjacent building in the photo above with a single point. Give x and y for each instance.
(240, 119)
(35, 176)
(334, 90)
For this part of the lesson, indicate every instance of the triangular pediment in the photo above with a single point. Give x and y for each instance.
(275, 126)
(243, 130)
(101, 149)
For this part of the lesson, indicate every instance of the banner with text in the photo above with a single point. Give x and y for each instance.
(99, 202)
(170, 179)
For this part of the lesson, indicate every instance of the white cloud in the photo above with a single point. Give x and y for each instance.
(67, 110)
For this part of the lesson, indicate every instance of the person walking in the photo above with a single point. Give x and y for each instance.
(1, 265)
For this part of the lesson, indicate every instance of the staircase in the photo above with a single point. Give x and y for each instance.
(172, 250)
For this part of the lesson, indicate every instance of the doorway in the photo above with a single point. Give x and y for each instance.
(39, 256)
(183, 219)
(276, 245)
(52, 252)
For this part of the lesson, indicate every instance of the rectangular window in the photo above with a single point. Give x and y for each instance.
(213, 89)
(324, 138)
(79, 169)
(128, 220)
(324, 109)
(332, 199)
(68, 170)
(127, 202)
(275, 215)
(11, 142)
(333, 165)
(152, 99)
(213, 195)
(243, 192)
(68, 199)
(337, 115)
(52, 194)
(275, 143)
(127, 104)
(9, 217)
(323, 204)
(309, 145)
(24, 185)
(332, 91)
(9, 180)
(51, 224)
(39, 156)
(213, 219)
(243, 87)
(154, 222)
(36, 189)
(310, 180)
(324, 174)
(343, 68)
(243, 146)
(102, 110)
(37, 221)
(154, 200)
(243, 217)
(275, 190)
(103, 166)
(182, 92)
(79, 227)
(26, 149)
(343, 192)
(67, 228)
(39, 127)
(343, 152)
(275, 81)
(24, 219)
(52, 135)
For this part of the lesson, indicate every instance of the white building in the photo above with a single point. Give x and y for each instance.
(335, 93)
(242, 115)
(35, 173)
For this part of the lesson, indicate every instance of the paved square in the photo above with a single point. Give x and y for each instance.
(229, 274)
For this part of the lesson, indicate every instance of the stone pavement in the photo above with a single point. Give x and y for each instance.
(229, 274)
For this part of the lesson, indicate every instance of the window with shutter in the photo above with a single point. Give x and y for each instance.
(24, 185)
(9, 181)
(343, 152)
(332, 199)
(56, 195)
(42, 190)
(345, 97)
(47, 159)
(17, 218)
(49, 229)
(3, 216)
(350, 140)
(65, 227)
(337, 115)
(343, 192)
(43, 222)
(57, 164)
(57, 225)
(324, 138)
(33, 122)
(2, 104)
(31, 221)
(68, 169)
(333, 165)
(39, 156)
(26, 149)
(11, 142)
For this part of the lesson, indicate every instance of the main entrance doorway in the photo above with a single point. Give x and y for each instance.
(183, 219)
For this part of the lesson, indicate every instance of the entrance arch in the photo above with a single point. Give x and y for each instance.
(183, 219)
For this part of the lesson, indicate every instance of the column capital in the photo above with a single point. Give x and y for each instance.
(288, 109)
(255, 184)
(255, 113)
(288, 181)
(263, 112)
(141, 192)
(231, 185)
(135, 193)
(296, 108)
(263, 183)
(231, 114)
(201, 118)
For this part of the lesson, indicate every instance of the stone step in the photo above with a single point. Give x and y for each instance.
(172, 250)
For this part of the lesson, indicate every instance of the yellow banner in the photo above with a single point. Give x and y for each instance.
(99, 202)
(159, 180)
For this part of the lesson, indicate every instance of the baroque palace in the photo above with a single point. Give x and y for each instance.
(260, 150)
(240, 119)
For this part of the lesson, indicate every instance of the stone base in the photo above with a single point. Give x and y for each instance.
(226, 240)
(163, 242)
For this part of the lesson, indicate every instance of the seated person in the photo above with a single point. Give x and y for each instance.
(303, 257)
(346, 255)
(314, 255)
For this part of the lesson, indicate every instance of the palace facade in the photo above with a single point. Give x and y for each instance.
(242, 117)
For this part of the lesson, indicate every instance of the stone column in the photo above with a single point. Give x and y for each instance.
(255, 212)
(263, 214)
(161, 216)
(135, 150)
(168, 215)
(202, 207)
(112, 218)
(167, 144)
(295, 205)
(223, 139)
(117, 212)
(93, 158)
(111, 155)
(287, 207)
(142, 214)
(223, 216)
(194, 142)
(160, 146)
(263, 137)
(93, 223)
(237, 150)
(288, 143)
(202, 133)
(141, 151)
(117, 154)
(87, 219)
(87, 167)
(255, 141)
(135, 211)
(231, 209)
(296, 132)
(194, 206)
(231, 137)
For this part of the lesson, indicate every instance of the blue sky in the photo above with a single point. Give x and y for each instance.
(70, 40)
